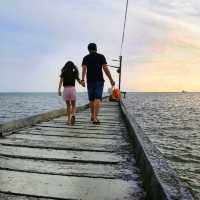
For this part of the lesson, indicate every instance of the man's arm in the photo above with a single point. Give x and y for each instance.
(84, 70)
(108, 74)
(59, 87)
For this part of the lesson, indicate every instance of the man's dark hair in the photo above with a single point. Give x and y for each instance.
(92, 47)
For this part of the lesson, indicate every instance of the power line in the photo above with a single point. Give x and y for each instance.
(124, 28)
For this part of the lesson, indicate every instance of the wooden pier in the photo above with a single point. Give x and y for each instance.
(54, 161)
(43, 158)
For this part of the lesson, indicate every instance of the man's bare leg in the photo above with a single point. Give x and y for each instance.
(92, 110)
(97, 105)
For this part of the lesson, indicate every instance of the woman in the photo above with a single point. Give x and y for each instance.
(68, 77)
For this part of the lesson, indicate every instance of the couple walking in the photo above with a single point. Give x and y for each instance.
(93, 66)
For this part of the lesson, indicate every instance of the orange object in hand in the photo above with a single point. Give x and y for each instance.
(116, 93)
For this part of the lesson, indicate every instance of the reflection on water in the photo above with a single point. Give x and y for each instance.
(172, 120)
(19, 105)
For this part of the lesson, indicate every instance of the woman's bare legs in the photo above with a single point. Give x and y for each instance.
(73, 103)
(73, 111)
(68, 112)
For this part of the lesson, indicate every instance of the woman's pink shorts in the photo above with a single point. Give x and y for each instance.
(69, 93)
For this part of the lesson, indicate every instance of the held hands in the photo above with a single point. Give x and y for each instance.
(82, 82)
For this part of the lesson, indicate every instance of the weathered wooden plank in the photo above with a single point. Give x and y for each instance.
(72, 134)
(94, 128)
(88, 122)
(66, 187)
(100, 116)
(105, 112)
(79, 169)
(50, 154)
(73, 131)
(81, 125)
(80, 119)
(66, 140)
(78, 145)
(84, 121)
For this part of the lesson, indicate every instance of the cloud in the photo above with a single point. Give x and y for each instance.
(169, 49)
(38, 37)
(42, 36)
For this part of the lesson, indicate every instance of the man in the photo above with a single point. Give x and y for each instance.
(92, 65)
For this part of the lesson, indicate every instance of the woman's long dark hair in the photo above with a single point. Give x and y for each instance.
(70, 68)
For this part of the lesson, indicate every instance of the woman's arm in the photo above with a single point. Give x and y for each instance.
(79, 80)
(59, 87)
(77, 75)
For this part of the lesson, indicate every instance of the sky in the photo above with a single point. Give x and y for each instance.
(161, 49)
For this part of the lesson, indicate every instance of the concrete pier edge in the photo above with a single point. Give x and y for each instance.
(12, 126)
(160, 181)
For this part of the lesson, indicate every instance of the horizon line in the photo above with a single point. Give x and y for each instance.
(104, 92)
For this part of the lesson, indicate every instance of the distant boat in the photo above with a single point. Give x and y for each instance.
(183, 91)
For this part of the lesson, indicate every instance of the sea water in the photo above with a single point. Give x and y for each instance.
(172, 121)
(20, 105)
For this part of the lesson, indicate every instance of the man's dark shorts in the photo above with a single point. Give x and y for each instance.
(95, 90)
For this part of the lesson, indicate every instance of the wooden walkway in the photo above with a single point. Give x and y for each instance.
(83, 162)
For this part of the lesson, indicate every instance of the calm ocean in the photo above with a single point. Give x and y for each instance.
(19, 105)
(172, 121)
